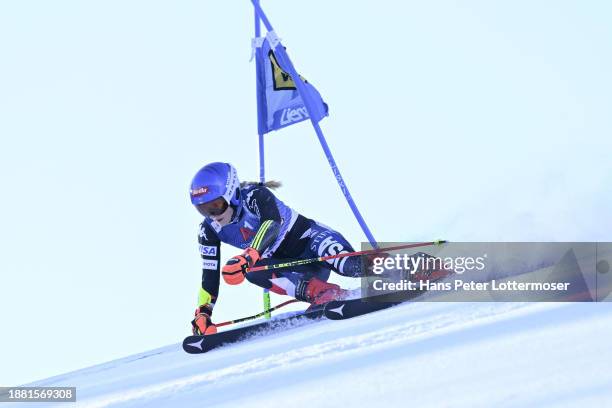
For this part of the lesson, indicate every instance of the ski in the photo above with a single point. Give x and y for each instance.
(346, 309)
(198, 344)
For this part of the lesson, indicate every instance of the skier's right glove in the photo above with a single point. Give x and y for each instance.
(234, 270)
(202, 324)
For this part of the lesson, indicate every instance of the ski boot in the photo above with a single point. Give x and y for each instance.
(318, 292)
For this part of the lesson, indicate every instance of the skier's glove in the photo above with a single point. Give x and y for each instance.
(202, 324)
(375, 260)
(234, 270)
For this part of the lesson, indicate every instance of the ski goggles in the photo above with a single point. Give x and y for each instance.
(213, 208)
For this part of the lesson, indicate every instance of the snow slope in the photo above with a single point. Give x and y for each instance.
(422, 354)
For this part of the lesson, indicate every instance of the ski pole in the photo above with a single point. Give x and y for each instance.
(312, 260)
(255, 316)
(356, 253)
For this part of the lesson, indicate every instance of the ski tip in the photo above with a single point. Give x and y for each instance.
(194, 345)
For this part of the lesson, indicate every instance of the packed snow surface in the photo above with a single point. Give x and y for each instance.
(420, 354)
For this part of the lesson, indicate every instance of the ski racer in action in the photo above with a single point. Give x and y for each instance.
(250, 217)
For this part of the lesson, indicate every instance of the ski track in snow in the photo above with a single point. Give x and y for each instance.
(431, 354)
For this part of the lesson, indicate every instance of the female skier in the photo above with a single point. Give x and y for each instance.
(250, 217)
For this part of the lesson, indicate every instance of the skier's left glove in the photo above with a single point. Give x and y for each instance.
(234, 270)
(375, 259)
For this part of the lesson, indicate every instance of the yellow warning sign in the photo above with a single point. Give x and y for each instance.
(282, 80)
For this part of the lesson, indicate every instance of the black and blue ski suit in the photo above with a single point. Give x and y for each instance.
(279, 234)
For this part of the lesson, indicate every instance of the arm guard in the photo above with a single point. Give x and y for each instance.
(210, 251)
(262, 202)
(266, 235)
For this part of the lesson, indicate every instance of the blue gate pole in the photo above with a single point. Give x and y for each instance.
(330, 158)
(262, 167)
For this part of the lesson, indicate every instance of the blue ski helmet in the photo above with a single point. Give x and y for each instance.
(213, 181)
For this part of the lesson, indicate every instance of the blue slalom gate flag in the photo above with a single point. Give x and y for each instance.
(278, 102)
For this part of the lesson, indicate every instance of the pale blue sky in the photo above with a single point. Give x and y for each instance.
(473, 120)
